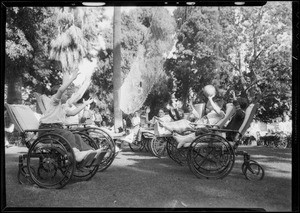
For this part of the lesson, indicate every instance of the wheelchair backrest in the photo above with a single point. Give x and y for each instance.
(230, 110)
(200, 108)
(249, 114)
(22, 117)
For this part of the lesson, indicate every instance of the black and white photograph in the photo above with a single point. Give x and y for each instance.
(149, 106)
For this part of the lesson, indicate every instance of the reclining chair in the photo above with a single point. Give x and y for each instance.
(212, 156)
(101, 136)
(180, 155)
(50, 160)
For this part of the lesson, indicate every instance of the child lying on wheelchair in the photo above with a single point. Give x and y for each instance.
(234, 124)
(55, 117)
(214, 114)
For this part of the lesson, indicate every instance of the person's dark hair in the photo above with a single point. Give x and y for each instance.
(93, 105)
(243, 103)
(85, 96)
(54, 89)
(102, 122)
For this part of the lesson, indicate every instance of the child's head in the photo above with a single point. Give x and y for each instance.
(243, 103)
(54, 89)
(190, 109)
(181, 113)
(161, 113)
(136, 114)
(87, 107)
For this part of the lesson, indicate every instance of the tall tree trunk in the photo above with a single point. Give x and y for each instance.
(117, 68)
(14, 90)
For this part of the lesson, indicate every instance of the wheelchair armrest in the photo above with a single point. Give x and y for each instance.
(37, 130)
(213, 126)
(225, 130)
(68, 125)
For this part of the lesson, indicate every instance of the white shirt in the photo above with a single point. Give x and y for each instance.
(211, 118)
(135, 121)
(71, 119)
(55, 113)
(165, 118)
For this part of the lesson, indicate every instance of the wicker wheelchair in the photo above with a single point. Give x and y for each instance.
(211, 155)
(101, 136)
(144, 144)
(180, 155)
(163, 144)
(50, 160)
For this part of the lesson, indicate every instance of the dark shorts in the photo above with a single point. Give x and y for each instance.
(74, 139)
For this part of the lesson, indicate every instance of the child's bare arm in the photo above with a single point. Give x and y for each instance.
(78, 109)
(214, 105)
(194, 111)
(64, 86)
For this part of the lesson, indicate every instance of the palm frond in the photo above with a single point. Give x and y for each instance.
(69, 47)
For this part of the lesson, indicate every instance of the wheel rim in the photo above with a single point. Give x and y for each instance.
(244, 166)
(136, 146)
(177, 155)
(254, 172)
(104, 141)
(283, 142)
(210, 156)
(86, 173)
(158, 146)
(51, 160)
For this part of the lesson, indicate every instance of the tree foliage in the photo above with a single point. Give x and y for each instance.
(193, 64)
(145, 35)
(247, 49)
(27, 43)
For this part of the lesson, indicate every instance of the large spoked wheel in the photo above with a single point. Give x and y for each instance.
(210, 156)
(104, 141)
(158, 146)
(177, 155)
(86, 173)
(283, 142)
(253, 171)
(51, 161)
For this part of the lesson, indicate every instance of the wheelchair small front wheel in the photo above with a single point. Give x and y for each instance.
(283, 142)
(136, 146)
(24, 176)
(254, 171)
(244, 165)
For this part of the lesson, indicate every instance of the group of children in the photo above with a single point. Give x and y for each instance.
(62, 111)
(176, 121)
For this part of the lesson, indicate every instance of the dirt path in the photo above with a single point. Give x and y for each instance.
(142, 180)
